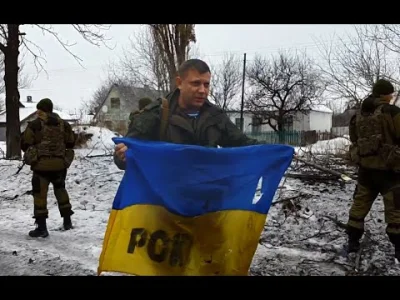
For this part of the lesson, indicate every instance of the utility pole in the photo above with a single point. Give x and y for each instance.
(242, 105)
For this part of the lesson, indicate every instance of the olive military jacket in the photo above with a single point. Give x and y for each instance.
(391, 116)
(33, 136)
(211, 128)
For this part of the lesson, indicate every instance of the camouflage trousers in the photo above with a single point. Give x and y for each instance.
(40, 186)
(370, 184)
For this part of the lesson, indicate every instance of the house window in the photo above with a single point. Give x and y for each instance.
(256, 125)
(237, 122)
(115, 103)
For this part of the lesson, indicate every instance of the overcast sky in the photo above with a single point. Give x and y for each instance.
(68, 84)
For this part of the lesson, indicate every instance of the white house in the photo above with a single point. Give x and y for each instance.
(248, 121)
(119, 102)
(319, 118)
(27, 111)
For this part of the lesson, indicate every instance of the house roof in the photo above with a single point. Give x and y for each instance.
(130, 93)
(85, 119)
(343, 119)
(321, 108)
(27, 109)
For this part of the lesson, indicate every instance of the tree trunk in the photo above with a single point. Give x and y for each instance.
(13, 127)
(281, 132)
(173, 42)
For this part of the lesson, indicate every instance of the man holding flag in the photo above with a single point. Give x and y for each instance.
(185, 207)
(191, 118)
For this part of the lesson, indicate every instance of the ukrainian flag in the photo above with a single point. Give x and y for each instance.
(189, 210)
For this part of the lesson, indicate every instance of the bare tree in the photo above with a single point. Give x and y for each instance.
(97, 97)
(145, 63)
(336, 106)
(281, 87)
(10, 41)
(102, 91)
(142, 64)
(226, 82)
(354, 64)
(387, 34)
(173, 42)
(24, 80)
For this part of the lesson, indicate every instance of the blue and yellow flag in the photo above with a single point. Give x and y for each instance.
(189, 210)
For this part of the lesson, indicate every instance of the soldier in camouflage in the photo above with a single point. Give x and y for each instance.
(191, 118)
(375, 138)
(48, 143)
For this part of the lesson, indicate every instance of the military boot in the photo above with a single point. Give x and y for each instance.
(397, 254)
(397, 250)
(354, 235)
(353, 245)
(395, 240)
(67, 223)
(41, 228)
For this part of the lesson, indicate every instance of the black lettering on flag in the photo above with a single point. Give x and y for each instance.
(133, 241)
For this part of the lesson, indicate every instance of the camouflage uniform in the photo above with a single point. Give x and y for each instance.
(143, 102)
(211, 128)
(48, 143)
(375, 135)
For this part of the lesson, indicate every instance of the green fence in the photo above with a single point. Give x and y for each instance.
(294, 138)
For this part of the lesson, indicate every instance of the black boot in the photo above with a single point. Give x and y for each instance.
(41, 228)
(67, 222)
(355, 235)
(353, 246)
(395, 240)
(397, 254)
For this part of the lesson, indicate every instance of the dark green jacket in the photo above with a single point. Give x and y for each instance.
(392, 118)
(33, 135)
(211, 128)
(365, 139)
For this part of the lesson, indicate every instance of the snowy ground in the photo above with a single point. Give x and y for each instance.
(300, 237)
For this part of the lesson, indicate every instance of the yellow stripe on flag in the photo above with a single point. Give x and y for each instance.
(149, 240)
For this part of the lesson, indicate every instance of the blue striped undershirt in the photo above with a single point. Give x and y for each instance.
(193, 115)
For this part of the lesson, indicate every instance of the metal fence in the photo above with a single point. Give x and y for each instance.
(293, 138)
(340, 131)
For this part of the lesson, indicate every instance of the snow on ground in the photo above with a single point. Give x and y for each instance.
(334, 146)
(308, 242)
(303, 241)
(100, 141)
(91, 183)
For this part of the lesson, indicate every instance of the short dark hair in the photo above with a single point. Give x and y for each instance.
(190, 64)
(382, 87)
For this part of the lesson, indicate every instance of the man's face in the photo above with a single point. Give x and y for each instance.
(194, 88)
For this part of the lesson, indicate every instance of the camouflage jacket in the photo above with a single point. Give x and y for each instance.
(211, 128)
(33, 135)
(369, 140)
(391, 114)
